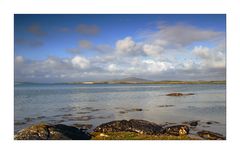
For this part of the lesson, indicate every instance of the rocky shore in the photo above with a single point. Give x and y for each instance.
(118, 130)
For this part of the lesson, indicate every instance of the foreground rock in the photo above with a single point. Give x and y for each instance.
(51, 132)
(122, 129)
(177, 130)
(133, 125)
(142, 127)
(210, 135)
(179, 94)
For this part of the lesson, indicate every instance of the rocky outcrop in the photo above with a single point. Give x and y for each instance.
(210, 135)
(142, 127)
(139, 127)
(177, 130)
(51, 132)
(179, 94)
(133, 125)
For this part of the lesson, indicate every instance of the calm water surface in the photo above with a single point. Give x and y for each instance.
(99, 103)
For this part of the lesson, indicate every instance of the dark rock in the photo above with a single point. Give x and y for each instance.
(69, 109)
(66, 115)
(180, 94)
(210, 135)
(90, 109)
(19, 123)
(166, 105)
(133, 125)
(51, 132)
(212, 122)
(133, 110)
(177, 130)
(192, 123)
(83, 112)
(130, 110)
(28, 119)
(138, 109)
(40, 117)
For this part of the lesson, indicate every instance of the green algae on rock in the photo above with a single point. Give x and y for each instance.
(136, 136)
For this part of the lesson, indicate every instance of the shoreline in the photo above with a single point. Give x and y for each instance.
(132, 129)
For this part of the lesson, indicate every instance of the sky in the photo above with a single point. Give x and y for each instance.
(96, 47)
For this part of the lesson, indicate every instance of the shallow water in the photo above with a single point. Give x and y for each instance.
(100, 103)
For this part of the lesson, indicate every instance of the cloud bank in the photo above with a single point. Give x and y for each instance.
(172, 52)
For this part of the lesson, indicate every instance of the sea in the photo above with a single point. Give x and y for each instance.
(89, 105)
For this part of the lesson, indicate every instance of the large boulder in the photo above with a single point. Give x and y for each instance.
(177, 130)
(51, 132)
(210, 135)
(133, 125)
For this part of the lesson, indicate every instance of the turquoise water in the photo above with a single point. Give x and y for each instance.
(99, 103)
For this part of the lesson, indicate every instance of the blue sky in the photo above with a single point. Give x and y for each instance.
(82, 47)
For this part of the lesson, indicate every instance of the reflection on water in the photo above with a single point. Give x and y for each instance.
(96, 104)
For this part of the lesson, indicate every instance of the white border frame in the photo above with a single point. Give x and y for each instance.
(10, 7)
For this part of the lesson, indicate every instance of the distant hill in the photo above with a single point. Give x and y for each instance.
(129, 80)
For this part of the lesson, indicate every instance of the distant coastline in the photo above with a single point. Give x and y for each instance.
(134, 80)
(153, 82)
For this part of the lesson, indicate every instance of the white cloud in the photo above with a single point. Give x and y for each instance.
(80, 68)
(126, 46)
(112, 67)
(157, 66)
(152, 49)
(202, 52)
(211, 57)
(80, 62)
(189, 65)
